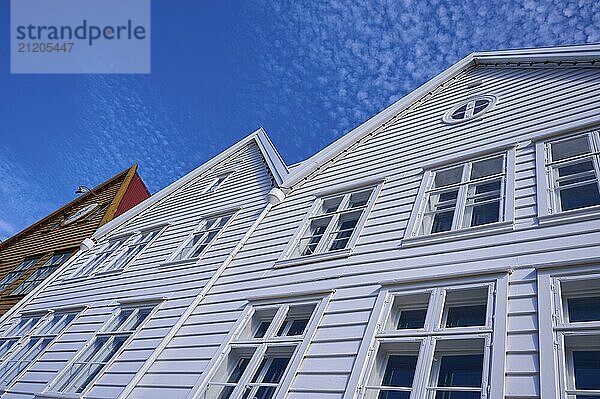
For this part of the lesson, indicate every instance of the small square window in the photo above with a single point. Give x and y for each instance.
(259, 323)
(296, 321)
(465, 308)
(202, 238)
(409, 311)
(581, 300)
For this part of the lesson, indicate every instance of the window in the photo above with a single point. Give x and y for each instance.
(197, 244)
(572, 167)
(433, 343)
(40, 274)
(17, 272)
(117, 253)
(16, 331)
(461, 196)
(30, 349)
(469, 109)
(258, 357)
(576, 333)
(216, 183)
(97, 353)
(80, 213)
(334, 223)
(134, 246)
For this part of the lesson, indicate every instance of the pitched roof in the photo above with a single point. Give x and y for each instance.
(550, 55)
(275, 163)
(126, 176)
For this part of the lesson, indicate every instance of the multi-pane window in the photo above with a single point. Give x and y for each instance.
(466, 195)
(17, 272)
(97, 353)
(572, 169)
(33, 345)
(216, 183)
(258, 358)
(433, 343)
(15, 332)
(333, 224)
(577, 335)
(130, 250)
(40, 274)
(197, 244)
(117, 253)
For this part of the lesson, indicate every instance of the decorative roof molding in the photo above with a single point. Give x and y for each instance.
(584, 53)
(272, 158)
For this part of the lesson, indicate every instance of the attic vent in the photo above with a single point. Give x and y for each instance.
(469, 109)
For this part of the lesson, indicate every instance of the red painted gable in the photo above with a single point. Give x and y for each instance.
(136, 192)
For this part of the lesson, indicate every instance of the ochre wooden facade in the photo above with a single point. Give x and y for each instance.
(51, 236)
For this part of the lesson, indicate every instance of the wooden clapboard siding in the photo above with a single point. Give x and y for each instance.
(245, 189)
(36, 241)
(531, 100)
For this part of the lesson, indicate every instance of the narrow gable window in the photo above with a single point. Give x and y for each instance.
(104, 346)
(572, 168)
(260, 355)
(40, 274)
(467, 195)
(334, 223)
(216, 183)
(17, 272)
(205, 234)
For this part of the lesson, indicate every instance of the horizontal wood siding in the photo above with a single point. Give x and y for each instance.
(529, 99)
(146, 277)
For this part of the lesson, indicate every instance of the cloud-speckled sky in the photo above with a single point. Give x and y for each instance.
(306, 71)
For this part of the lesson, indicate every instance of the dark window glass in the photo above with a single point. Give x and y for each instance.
(586, 366)
(343, 236)
(442, 221)
(297, 327)
(459, 113)
(579, 197)
(412, 319)
(262, 329)
(314, 240)
(486, 213)
(466, 316)
(460, 371)
(584, 309)
(235, 376)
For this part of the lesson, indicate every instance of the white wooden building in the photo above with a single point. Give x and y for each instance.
(447, 248)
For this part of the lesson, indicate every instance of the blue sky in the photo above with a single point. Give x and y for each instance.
(307, 72)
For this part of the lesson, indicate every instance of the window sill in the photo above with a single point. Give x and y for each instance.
(179, 262)
(470, 232)
(343, 253)
(56, 395)
(575, 215)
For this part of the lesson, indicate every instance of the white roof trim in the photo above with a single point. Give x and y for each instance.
(274, 161)
(551, 54)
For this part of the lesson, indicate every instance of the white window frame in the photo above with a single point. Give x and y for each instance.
(217, 183)
(556, 367)
(260, 346)
(506, 205)
(232, 213)
(548, 207)
(93, 268)
(105, 332)
(19, 270)
(38, 332)
(469, 115)
(289, 256)
(379, 335)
